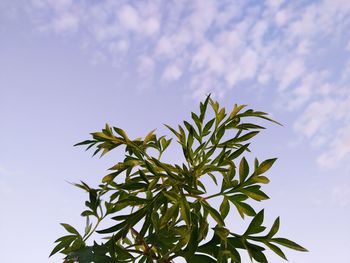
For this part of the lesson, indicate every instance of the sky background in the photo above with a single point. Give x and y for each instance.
(68, 67)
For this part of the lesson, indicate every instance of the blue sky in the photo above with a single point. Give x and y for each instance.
(68, 67)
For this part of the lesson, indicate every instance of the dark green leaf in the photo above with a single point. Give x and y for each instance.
(255, 225)
(208, 125)
(238, 152)
(200, 259)
(247, 136)
(63, 242)
(277, 250)
(185, 209)
(288, 243)
(70, 229)
(275, 227)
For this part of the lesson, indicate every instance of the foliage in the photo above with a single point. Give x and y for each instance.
(159, 211)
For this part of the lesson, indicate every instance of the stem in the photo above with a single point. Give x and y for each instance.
(94, 229)
(215, 195)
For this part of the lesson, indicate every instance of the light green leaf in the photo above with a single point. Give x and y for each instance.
(235, 110)
(148, 137)
(224, 208)
(255, 193)
(243, 170)
(265, 165)
(214, 214)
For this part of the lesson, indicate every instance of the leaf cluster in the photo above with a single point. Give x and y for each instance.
(159, 211)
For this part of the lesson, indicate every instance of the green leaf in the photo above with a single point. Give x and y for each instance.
(237, 198)
(247, 136)
(208, 125)
(214, 214)
(222, 232)
(248, 126)
(259, 179)
(220, 133)
(221, 115)
(173, 131)
(213, 178)
(288, 243)
(255, 225)
(224, 208)
(165, 143)
(236, 242)
(196, 120)
(185, 209)
(243, 170)
(63, 243)
(259, 256)
(203, 108)
(244, 209)
(171, 213)
(255, 193)
(235, 256)
(149, 136)
(238, 152)
(211, 247)
(265, 165)
(235, 110)
(122, 133)
(70, 229)
(277, 250)
(200, 259)
(84, 142)
(275, 227)
(156, 221)
(192, 245)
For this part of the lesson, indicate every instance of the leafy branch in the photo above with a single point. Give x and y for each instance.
(158, 211)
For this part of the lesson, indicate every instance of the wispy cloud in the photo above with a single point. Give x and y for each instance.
(301, 48)
(340, 195)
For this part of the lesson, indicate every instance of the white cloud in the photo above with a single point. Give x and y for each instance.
(340, 195)
(118, 46)
(65, 23)
(274, 3)
(282, 17)
(172, 72)
(151, 26)
(164, 46)
(220, 44)
(316, 115)
(146, 66)
(294, 70)
(248, 64)
(129, 18)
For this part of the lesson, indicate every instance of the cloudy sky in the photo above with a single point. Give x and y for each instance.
(67, 67)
